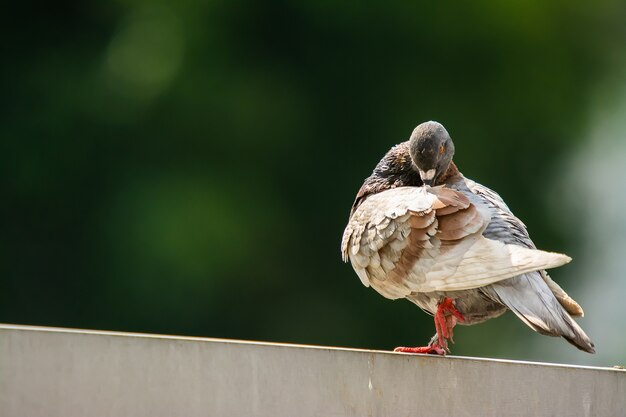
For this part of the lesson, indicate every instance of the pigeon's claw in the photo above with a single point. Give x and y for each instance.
(433, 349)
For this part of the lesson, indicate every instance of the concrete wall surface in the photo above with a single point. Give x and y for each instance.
(52, 372)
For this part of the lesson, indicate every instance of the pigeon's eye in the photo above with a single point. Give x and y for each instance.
(442, 149)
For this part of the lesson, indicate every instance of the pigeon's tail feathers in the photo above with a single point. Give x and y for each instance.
(530, 298)
(568, 303)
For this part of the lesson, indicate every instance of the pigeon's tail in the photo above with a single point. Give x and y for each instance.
(530, 298)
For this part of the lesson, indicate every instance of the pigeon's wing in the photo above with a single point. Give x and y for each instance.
(418, 239)
(507, 228)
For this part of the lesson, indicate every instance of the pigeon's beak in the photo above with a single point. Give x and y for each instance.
(428, 177)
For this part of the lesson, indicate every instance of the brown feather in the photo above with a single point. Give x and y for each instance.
(460, 224)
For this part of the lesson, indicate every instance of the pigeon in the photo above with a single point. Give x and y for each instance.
(420, 230)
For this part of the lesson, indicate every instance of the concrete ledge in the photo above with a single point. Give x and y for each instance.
(62, 372)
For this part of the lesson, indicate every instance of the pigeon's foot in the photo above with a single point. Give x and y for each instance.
(433, 349)
(446, 317)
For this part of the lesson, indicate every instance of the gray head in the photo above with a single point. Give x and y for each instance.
(431, 150)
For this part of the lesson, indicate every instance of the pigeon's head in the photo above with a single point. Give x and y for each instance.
(431, 150)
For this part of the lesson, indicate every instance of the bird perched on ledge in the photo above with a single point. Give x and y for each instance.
(420, 230)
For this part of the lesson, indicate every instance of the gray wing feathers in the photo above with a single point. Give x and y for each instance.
(504, 226)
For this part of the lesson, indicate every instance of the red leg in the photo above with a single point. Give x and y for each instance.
(446, 318)
(441, 326)
(448, 305)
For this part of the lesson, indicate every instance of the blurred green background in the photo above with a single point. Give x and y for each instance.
(188, 167)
